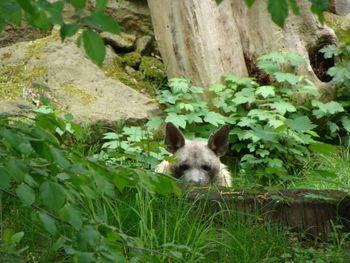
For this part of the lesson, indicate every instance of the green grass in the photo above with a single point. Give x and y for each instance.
(173, 229)
(177, 229)
(326, 172)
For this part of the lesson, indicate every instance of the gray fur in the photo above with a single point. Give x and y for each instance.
(198, 162)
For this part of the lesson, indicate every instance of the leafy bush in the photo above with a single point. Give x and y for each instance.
(62, 190)
(274, 127)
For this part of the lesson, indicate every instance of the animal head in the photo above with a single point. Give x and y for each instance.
(198, 162)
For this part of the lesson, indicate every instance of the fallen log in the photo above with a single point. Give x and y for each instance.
(309, 211)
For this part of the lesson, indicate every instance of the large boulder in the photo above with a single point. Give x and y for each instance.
(62, 72)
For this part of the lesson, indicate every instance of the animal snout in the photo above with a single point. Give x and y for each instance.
(195, 177)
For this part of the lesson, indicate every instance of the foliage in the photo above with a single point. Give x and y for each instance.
(133, 146)
(274, 127)
(40, 169)
(340, 74)
(42, 14)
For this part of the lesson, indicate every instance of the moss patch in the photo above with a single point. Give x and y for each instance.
(132, 59)
(337, 23)
(71, 90)
(35, 48)
(152, 68)
(14, 78)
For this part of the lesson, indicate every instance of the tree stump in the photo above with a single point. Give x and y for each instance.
(308, 211)
(203, 41)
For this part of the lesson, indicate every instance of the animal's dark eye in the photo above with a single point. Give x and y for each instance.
(184, 167)
(206, 167)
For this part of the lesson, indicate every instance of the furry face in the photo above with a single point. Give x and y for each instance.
(198, 162)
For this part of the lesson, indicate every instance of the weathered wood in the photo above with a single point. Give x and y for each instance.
(309, 211)
(203, 41)
(340, 7)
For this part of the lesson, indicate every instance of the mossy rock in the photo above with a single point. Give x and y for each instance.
(132, 59)
(152, 68)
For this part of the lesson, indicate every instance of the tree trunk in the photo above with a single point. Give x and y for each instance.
(203, 41)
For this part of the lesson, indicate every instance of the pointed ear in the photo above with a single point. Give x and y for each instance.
(218, 142)
(174, 138)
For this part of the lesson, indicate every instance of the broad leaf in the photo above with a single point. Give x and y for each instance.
(88, 237)
(278, 10)
(346, 123)
(103, 22)
(26, 194)
(302, 123)
(78, 3)
(249, 2)
(318, 7)
(214, 118)
(52, 195)
(4, 178)
(48, 223)
(265, 91)
(282, 107)
(176, 119)
(290, 78)
(71, 215)
(68, 30)
(94, 46)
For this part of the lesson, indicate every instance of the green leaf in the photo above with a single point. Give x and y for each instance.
(265, 91)
(345, 120)
(2, 24)
(101, 5)
(71, 215)
(154, 123)
(278, 10)
(94, 46)
(246, 95)
(178, 85)
(88, 237)
(290, 78)
(218, 2)
(282, 107)
(10, 10)
(176, 119)
(78, 3)
(26, 194)
(323, 148)
(214, 118)
(330, 51)
(59, 157)
(295, 59)
(52, 195)
(103, 22)
(302, 123)
(68, 30)
(326, 109)
(318, 7)
(249, 3)
(294, 6)
(16, 169)
(16, 238)
(48, 223)
(4, 178)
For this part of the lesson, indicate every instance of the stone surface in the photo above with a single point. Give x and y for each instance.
(73, 82)
(144, 45)
(120, 43)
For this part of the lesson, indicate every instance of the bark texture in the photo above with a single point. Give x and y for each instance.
(203, 41)
(308, 211)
